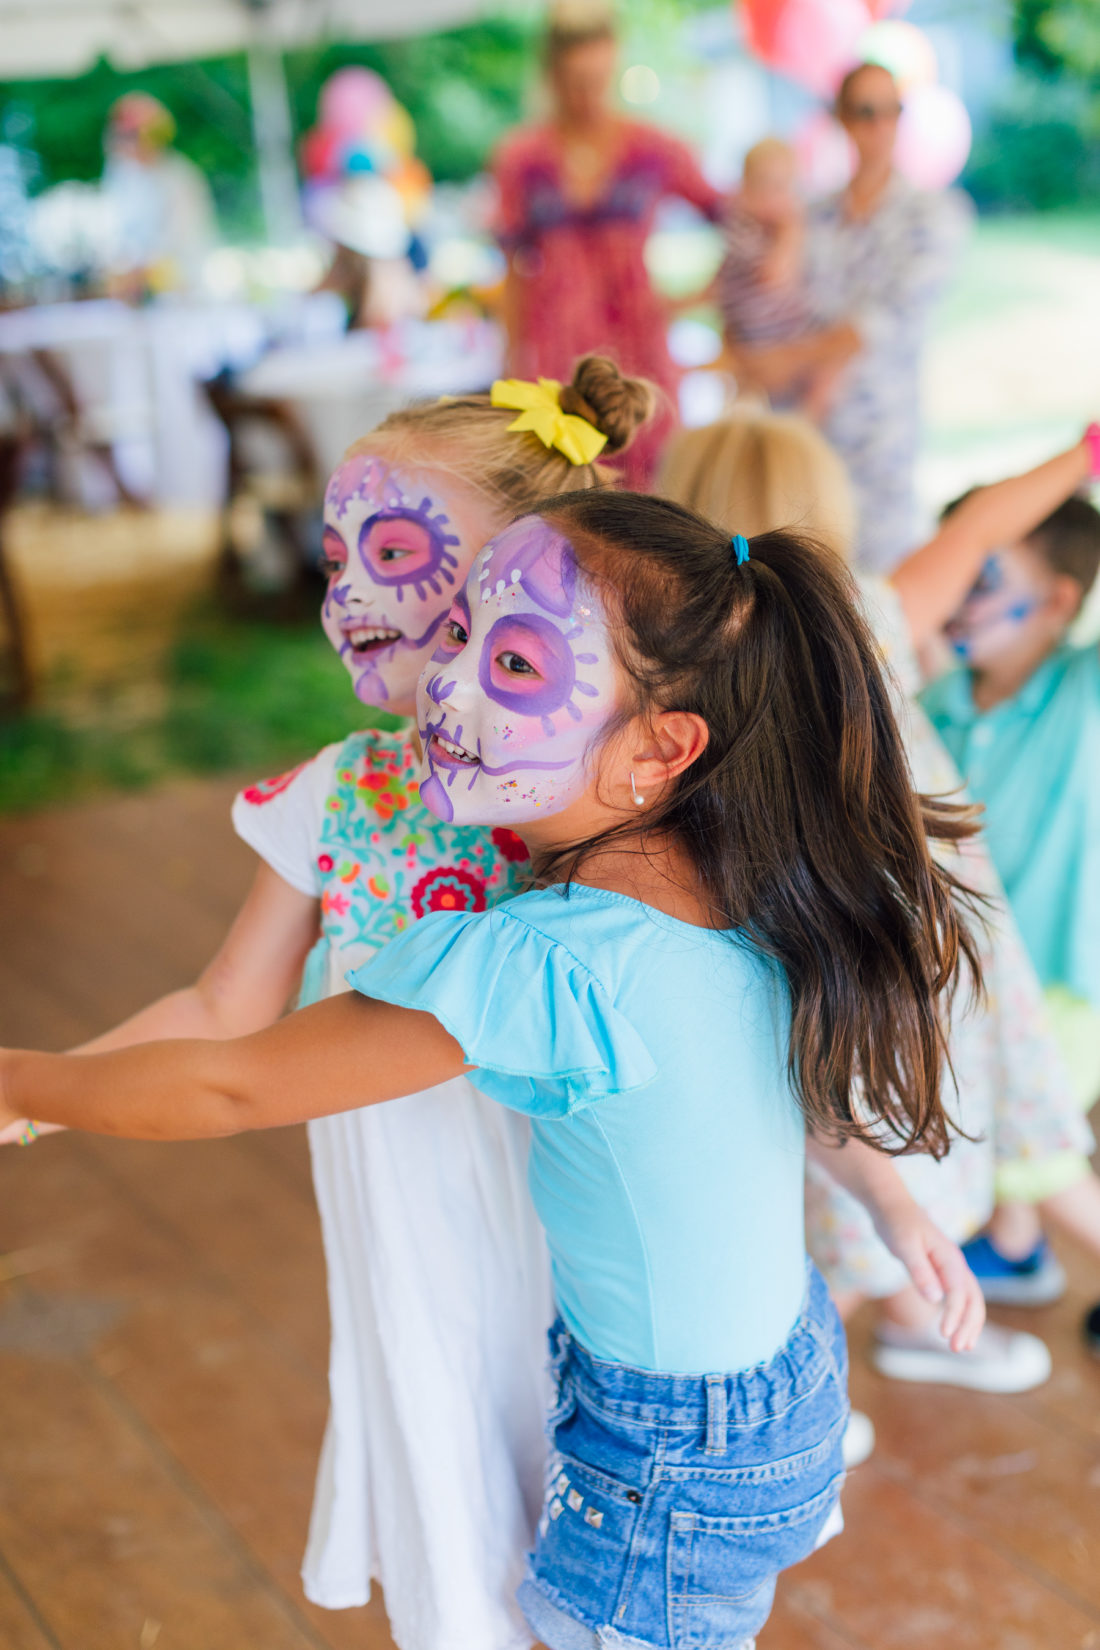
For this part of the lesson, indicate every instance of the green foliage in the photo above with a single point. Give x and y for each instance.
(63, 122)
(241, 695)
(1037, 152)
(1042, 147)
(463, 88)
(1059, 37)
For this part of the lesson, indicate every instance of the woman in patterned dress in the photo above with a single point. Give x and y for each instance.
(578, 194)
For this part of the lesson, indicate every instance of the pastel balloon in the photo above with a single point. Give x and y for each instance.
(352, 98)
(322, 149)
(816, 41)
(824, 154)
(903, 49)
(933, 137)
(760, 20)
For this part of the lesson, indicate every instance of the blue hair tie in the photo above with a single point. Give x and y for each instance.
(740, 548)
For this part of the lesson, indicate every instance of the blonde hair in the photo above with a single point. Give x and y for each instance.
(769, 148)
(574, 23)
(755, 472)
(513, 468)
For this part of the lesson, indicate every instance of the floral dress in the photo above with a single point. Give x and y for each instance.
(1011, 1091)
(580, 274)
(431, 1474)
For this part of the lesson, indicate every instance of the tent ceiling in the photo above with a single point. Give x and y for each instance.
(41, 38)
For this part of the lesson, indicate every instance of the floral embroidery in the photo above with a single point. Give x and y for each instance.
(448, 889)
(511, 846)
(386, 792)
(265, 789)
(384, 860)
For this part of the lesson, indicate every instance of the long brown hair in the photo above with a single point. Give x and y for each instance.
(799, 817)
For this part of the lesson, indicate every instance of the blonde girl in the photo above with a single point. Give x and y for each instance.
(431, 1473)
(770, 471)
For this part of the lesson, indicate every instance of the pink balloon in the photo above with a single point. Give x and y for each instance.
(933, 137)
(351, 99)
(816, 41)
(824, 155)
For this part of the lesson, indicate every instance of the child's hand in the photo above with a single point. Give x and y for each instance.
(937, 1268)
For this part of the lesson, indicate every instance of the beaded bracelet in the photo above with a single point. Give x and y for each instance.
(29, 1135)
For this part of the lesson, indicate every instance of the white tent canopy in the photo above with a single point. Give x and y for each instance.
(40, 38)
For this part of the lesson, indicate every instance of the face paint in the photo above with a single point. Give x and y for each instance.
(519, 687)
(392, 556)
(1000, 602)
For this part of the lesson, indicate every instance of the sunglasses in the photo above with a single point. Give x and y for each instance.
(865, 114)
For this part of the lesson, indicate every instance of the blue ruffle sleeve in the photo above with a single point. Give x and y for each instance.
(540, 1029)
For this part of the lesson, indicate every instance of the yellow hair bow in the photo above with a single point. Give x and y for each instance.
(539, 407)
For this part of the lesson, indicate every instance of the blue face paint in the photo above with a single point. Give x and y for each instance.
(1001, 600)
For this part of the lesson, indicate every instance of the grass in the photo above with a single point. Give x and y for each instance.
(240, 695)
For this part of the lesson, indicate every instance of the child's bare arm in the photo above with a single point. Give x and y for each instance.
(245, 986)
(933, 581)
(935, 1264)
(346, 1052)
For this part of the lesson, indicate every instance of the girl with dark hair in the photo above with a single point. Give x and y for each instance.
(740, 939)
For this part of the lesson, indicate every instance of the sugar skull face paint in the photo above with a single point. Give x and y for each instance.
(520, 685)
(394, 554)
(1001, 601)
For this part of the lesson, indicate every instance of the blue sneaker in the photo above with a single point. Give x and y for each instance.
(1036, 1280)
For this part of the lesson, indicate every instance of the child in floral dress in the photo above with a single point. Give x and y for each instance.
(431, 1475)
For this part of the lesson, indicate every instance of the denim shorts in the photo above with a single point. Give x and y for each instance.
(675, 1500)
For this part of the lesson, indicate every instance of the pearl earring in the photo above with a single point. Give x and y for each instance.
(639, 801)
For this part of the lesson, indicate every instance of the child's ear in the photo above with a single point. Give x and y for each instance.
(673, 741)
(1066, 596)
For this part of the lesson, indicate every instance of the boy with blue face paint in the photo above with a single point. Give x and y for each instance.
(1020, 715)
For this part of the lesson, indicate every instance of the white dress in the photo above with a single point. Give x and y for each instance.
(431, 1475)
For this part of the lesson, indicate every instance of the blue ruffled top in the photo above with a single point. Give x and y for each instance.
(667, 1148)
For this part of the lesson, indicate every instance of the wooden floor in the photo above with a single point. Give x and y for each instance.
(163, 1345)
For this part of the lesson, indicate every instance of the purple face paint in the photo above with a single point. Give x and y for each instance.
(393, 559)
(1001, 600)
(519, 687)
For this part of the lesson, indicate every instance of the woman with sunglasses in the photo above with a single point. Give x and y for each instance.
(878, 254)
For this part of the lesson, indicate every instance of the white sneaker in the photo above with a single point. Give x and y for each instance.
(859, 1439)
(1004, 1360)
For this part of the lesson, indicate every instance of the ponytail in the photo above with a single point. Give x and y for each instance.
(799, 817)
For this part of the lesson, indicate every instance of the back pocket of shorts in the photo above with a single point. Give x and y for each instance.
(722, 1571)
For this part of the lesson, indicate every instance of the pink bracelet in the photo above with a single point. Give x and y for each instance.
(1092, 442)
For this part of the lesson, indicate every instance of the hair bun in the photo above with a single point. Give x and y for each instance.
(617, 406)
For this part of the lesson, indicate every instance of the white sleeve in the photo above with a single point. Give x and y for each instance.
(281, 819)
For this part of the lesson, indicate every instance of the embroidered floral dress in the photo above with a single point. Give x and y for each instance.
(1014, 1095)
(431, 1474)
(581, 281)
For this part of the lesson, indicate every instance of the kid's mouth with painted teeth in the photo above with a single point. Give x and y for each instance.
(450, 755)
(363, 639)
